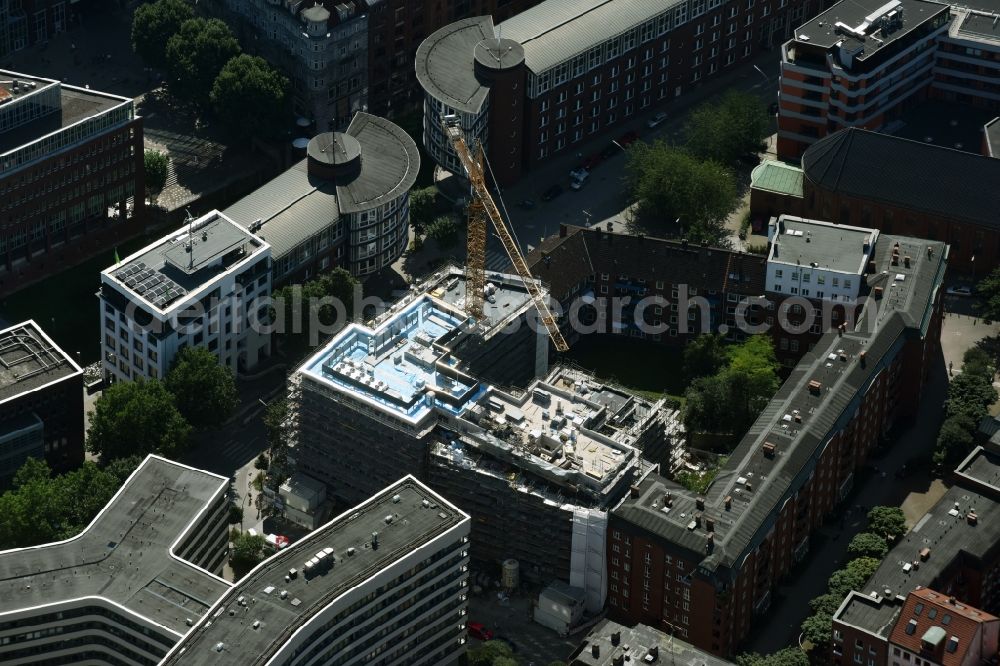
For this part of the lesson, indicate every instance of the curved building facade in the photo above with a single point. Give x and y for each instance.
(346, 204)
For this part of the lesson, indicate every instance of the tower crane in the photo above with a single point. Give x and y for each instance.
(483, 208)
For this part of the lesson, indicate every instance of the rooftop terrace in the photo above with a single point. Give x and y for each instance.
(30, 360)
(776, 456)
(145, 519)
(834, 247)
(174, 266)
(418, 516)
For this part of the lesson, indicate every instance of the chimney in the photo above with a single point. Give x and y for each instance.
(668, 499)
(925, 554)
(861, 358)
(562, 230)
(595, 651)
(768, 449)
(616, 638)
(906, 261)
(972, 518)
(710, 524)
(634, 491)
(729, 502)
(699, 503)
(748, 486)
(871, 266)
(697, 520)
(895, 259)
(815, 387)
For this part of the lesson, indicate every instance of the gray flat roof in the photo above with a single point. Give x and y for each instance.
(30, 360)
(556, 30)
(821, 29)
(445, 63)
(638, 640)
(151, 512)
(835, 247)
(873, 614)
(510, 298)
(76, 104)
(759, 484)
(389, 164)
(413, 525)
(980, 27)
(168, 270)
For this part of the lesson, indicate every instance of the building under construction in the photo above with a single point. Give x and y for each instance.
(426, 390)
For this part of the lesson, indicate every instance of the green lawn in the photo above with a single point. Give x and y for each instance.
(647, 368)
(65, 305)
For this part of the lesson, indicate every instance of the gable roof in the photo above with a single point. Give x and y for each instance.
(910, 174)
(938, 617)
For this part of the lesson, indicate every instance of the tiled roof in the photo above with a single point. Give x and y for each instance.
(582, 252)
(933, 612)
(909, 174)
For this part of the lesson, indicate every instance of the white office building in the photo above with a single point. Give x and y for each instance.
(818, 260)
(197, 286)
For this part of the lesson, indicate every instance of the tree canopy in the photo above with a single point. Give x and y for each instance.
(155, 164)
(297, 307)
(970, 393)
(40, 508)
(670, 184)
(727, 128)
(423, 207)
(154, 24)
(490, 653)
(705, 355)
(251, 96)
(445, 230)
(989, 291)
(853, 576)
(731, 399)
(136, 418)
(887, 520)
(248, 550)
(868, 544)
(955, 439)
(791, 656)
(204, 390)
(196, 55)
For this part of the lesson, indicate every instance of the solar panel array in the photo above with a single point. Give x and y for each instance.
(152, 285)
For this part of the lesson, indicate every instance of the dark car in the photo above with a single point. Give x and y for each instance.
(628, 138)
(552, 193)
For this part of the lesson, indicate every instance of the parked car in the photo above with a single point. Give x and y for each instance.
(656, 120)
(552, 193)
(628, 138)
(578, 183)
(959, 291)
(479, 630)
(578, 173)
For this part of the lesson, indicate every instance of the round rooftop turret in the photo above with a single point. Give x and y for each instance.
(498, 55)
(333, 154)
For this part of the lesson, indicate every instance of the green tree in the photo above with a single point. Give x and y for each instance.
(752, 379)
(818, 630)
(955, 439)
(887, 520)
(154, 24)
(423, 207)
(444, 230)
(826, 603)
(251, 96)
(791, 656)
(853, 576)
(325, 300)
(978, 361)
(204, 391)
(989, 291)
(196, 55)
(261, 463)
(235, 514)
(488, 653)
(705, 408)
(970, 393)
(705, 355)
(121, 468)
(155, 164)
(506, 661)
(724, 130)
(868, 544)
(136, 418)
(40, 508)
(671, 185)
(248, 550)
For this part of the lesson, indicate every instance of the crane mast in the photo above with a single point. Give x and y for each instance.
(481, 208)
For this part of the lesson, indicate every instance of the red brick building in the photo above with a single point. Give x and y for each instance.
(895, 185)
(705, 566)
(865, 63)
(573, 70)
(72, 182)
